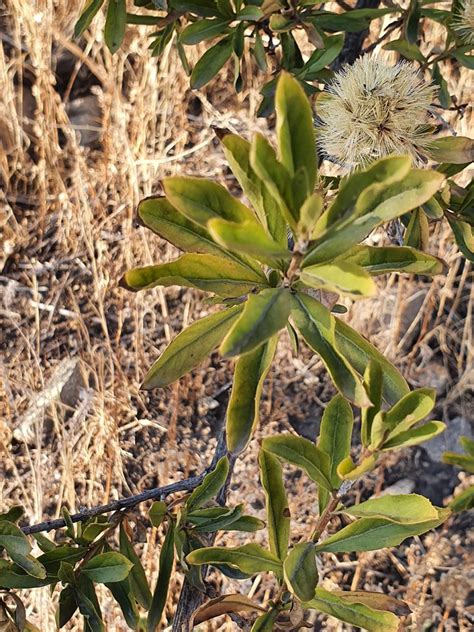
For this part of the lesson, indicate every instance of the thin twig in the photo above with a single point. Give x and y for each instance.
(157, 493)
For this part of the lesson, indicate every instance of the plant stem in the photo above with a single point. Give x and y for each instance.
(325, 517)
(123, 504)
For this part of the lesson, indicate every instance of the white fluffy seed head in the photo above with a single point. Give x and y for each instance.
(373, 110)
(463, 22)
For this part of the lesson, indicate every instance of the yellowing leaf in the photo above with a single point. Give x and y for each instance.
(209, 273)
(341, 277)
(249, 558)
(356, 614)
(402, 508)
(190, 347)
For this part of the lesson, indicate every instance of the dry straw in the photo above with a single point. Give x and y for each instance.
(373, 110)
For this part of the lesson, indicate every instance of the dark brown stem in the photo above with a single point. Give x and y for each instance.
(325, 517)
(123, 504)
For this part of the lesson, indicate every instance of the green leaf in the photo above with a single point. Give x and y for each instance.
(454, 149)
(464, 235)
(278, 512)
(249, 558)
(300, 571)
(204, 272)
(29, 564)
(463, 461)
(201, 200)
(335, 439)
(190, 347)
(65, 553)
(383, 259)
(356, 614)
(359, 352)
(265, 623)
(263, 316)
(250, 372)
(373, 382)
(274, 175)
(222, 521)
(417, 233)
(375, 205)
(157, 512)
(237, 153)
(310, 212)
(253, 14)
(210, 486)
(115, 24)
(467, 444)
(378, 176)
(370, 534)
(322, 57)
(249, 238)
(162, 583)
(342, 277)
(67, 606)
(248, 524)
(318, 326)
(106, 568)
(137, 576)
(295, 130)
(202, 30)
(211, 62)
(10, 578)
(157, 214)
(351, 21)
(461, 502)
(13, 539)
(88, 13)
(423, 433)
(123, 595)
(407, 50)
(302, 453)
(412, 408)
(89, 611)
(401, 508)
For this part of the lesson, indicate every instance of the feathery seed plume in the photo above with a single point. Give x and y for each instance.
(373, 110)
(462, 21)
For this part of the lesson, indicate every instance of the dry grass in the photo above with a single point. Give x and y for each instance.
(68, 213)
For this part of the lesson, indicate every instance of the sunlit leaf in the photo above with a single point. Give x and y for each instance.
(190, 347)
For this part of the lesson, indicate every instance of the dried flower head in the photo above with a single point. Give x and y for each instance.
(373, 110)
(463, 21)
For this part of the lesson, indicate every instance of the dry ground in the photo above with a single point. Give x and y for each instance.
(84, 136)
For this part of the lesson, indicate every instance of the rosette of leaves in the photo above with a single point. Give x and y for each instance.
(379, 522)
(266, 282)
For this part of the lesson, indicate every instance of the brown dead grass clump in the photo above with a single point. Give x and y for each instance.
(84, 136)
